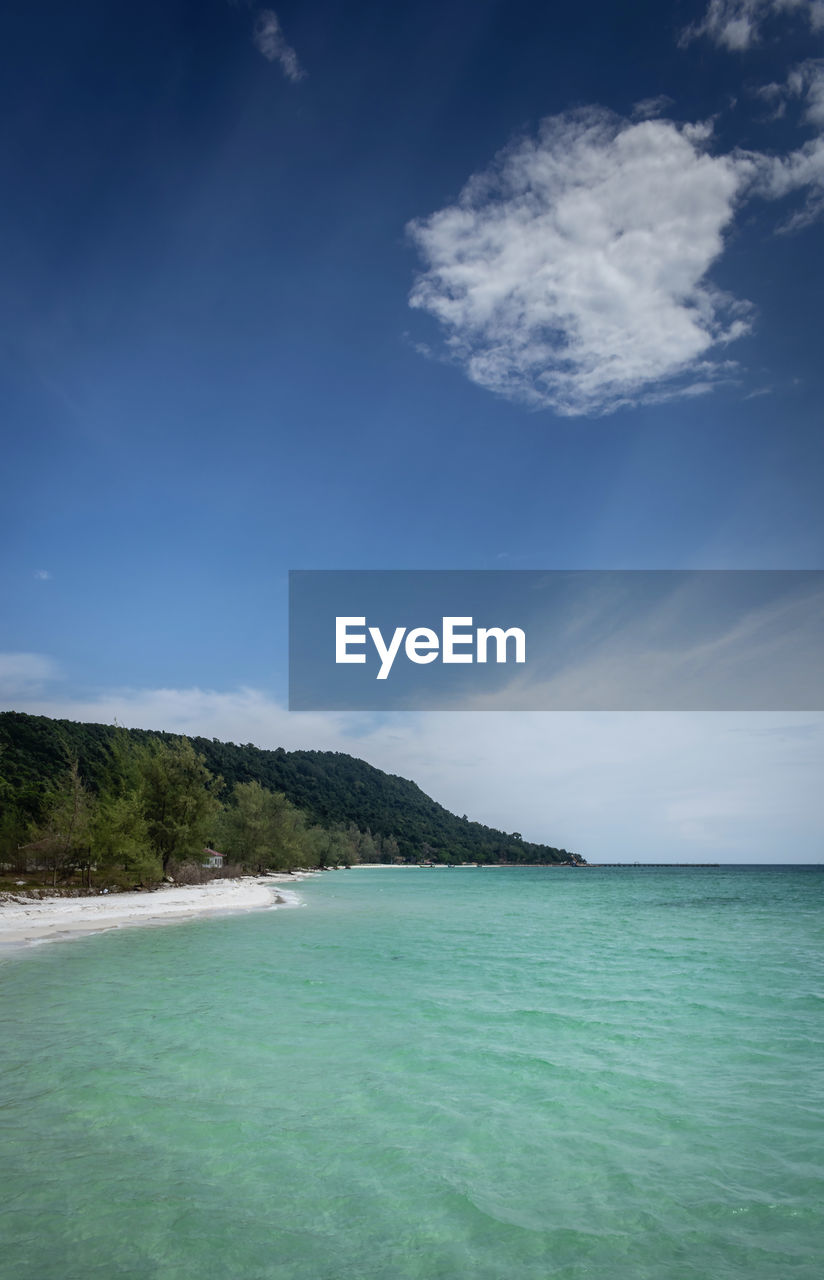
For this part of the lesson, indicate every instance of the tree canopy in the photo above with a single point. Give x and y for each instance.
(149, 800)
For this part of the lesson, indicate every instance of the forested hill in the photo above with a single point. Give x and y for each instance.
(330, 787)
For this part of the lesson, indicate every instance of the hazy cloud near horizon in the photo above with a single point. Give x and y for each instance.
(25, 673)
(612, 786)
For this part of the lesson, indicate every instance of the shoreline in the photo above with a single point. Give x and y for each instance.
(31, 922)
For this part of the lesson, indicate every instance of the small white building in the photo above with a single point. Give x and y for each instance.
(212, 858)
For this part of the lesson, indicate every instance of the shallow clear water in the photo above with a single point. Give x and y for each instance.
(435, 1074)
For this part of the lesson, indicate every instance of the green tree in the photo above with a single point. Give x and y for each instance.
(121, 848)
(14, 825)
(14, 833)
(263, 831)
(179, 799)
(317, 843)
(290, 847)
(246, 830)
(342, 849)
(391, 852)
(63, 837)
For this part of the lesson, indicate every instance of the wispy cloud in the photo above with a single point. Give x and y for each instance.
(803, 170)
(42, 574)
(268, 38)
(738, 24)
(805, 83)
(648, 108)
(644, 642)
(572, 274)
(775, 177)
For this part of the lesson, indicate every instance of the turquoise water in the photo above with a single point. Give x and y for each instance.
(433, 1074)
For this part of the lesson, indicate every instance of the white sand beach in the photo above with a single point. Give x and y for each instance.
(25, 921)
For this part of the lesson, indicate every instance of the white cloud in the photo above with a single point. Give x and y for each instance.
(573, 273)
(738, 24)
(269, 40)
(612, 786)
(42, 575)
(25, 673)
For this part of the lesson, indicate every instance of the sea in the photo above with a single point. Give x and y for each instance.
(448, 1074)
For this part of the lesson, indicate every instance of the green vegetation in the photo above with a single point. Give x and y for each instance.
(102, 805)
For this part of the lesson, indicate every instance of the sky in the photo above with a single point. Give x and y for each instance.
(463, 285)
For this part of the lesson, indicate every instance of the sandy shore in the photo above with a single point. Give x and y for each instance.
(50, 919)
(419, 866)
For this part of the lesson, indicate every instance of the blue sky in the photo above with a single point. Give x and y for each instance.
(454, 285)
